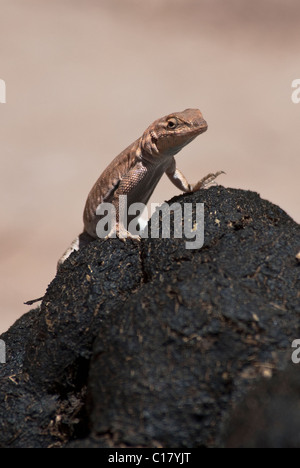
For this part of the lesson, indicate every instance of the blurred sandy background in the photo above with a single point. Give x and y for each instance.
(85, 78)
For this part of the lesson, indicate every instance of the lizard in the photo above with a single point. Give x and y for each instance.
(136, 171)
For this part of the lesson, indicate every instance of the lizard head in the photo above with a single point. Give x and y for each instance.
(168, 135)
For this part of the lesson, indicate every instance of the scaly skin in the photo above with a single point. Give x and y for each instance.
(137, 170)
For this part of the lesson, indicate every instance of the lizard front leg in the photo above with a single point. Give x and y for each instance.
(129, 183)
(179, 180)
(205, 181)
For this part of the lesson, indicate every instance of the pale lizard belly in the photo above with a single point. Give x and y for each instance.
(145, 187)
(135, 192)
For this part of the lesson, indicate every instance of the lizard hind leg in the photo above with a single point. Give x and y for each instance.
(83, 239)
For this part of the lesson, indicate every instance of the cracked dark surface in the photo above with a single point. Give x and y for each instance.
(150, 344)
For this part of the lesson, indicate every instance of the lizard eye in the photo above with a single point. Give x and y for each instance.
(172, 123)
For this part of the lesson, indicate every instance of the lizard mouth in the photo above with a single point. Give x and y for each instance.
(202, 127)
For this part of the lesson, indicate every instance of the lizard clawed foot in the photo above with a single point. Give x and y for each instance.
(131, 236)
(206, 181)
(122, 234)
